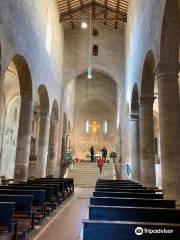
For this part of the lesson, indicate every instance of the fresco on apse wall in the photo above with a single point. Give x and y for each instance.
(94, 134)
(10, 138)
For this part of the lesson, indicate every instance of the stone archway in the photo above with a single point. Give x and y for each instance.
(134, 132)
(42, 110)
(63, 145)
(53, 140)
(146, 122)
(24, 91)
(168, 93)
(43, 131)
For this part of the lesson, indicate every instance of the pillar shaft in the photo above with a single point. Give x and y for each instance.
(1, 111)
(147, 142)
(24, 139)
(169, 120)
(135, 154)
(43, 144)
(52, 154)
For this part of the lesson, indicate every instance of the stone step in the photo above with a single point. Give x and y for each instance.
(86, 174)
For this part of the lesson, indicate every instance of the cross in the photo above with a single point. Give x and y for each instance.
(94, 127)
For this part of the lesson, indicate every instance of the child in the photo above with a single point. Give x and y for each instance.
(100, 164)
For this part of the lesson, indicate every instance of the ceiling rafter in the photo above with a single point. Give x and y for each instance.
(69, 8)
(117, 8)
(110, 12)
(105, 11)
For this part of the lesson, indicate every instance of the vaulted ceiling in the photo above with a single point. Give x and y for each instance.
(110, 12)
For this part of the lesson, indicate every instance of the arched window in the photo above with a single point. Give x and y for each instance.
(105, 127)
(15, 114)
(87, 126)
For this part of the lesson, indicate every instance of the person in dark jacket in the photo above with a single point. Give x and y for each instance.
(92, 153)
(104, 153)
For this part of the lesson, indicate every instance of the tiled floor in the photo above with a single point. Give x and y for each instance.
(67, 224)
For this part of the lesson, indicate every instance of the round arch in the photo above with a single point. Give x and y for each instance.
(43, 99)
(55, 112)
(25, 80)
(135, 100)
(147, 82)
(170, 33)
(76, 74)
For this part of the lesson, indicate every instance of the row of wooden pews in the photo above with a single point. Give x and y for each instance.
(25, 204)
(124, 210)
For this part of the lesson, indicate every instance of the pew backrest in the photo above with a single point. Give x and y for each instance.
(6, 215)
(143, 214)
(23, 203)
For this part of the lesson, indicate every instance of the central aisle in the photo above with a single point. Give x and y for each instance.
(67, 224)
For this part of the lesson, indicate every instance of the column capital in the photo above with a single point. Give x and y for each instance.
(134, 117)
(146, 101)
(166, 69)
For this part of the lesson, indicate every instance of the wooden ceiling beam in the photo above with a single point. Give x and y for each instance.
(69, 8)
(105, 11)
(119, 13)
(66, 14)
(107, 19)
(117, 9)
(75, 10)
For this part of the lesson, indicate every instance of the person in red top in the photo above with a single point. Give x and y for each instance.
(100, 164)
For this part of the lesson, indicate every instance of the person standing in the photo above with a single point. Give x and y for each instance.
(100, 164)
(104, 153)
(92, 153)
(128, 170)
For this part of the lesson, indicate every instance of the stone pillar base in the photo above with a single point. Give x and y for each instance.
(21, 173)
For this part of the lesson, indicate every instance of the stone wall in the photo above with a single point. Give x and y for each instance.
(25, 26)
(142, 33)
(96, 101)
(31, 29)
(110, 57)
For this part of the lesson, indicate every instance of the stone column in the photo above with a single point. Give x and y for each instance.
(1, 110)
(24, 139)
(169, 120)
(43, 144)
(146, 129)
(53, 151)
(63, 151)
(135, 148)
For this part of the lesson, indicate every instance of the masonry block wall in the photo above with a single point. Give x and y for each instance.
(25, 26)
(110, 57)
(31, 29)
(142, 33)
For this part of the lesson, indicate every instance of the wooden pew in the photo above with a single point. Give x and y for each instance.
(106, 185)
(121, 187)
(118, 183)
(60, 191)
(128, 194)
(68, 183)
(135, 190)
(38, 200)
(137, 214)
(114, 180)
(135, 202)
(22, 213)
(48, 193)
(8, 227)
(121, 230)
